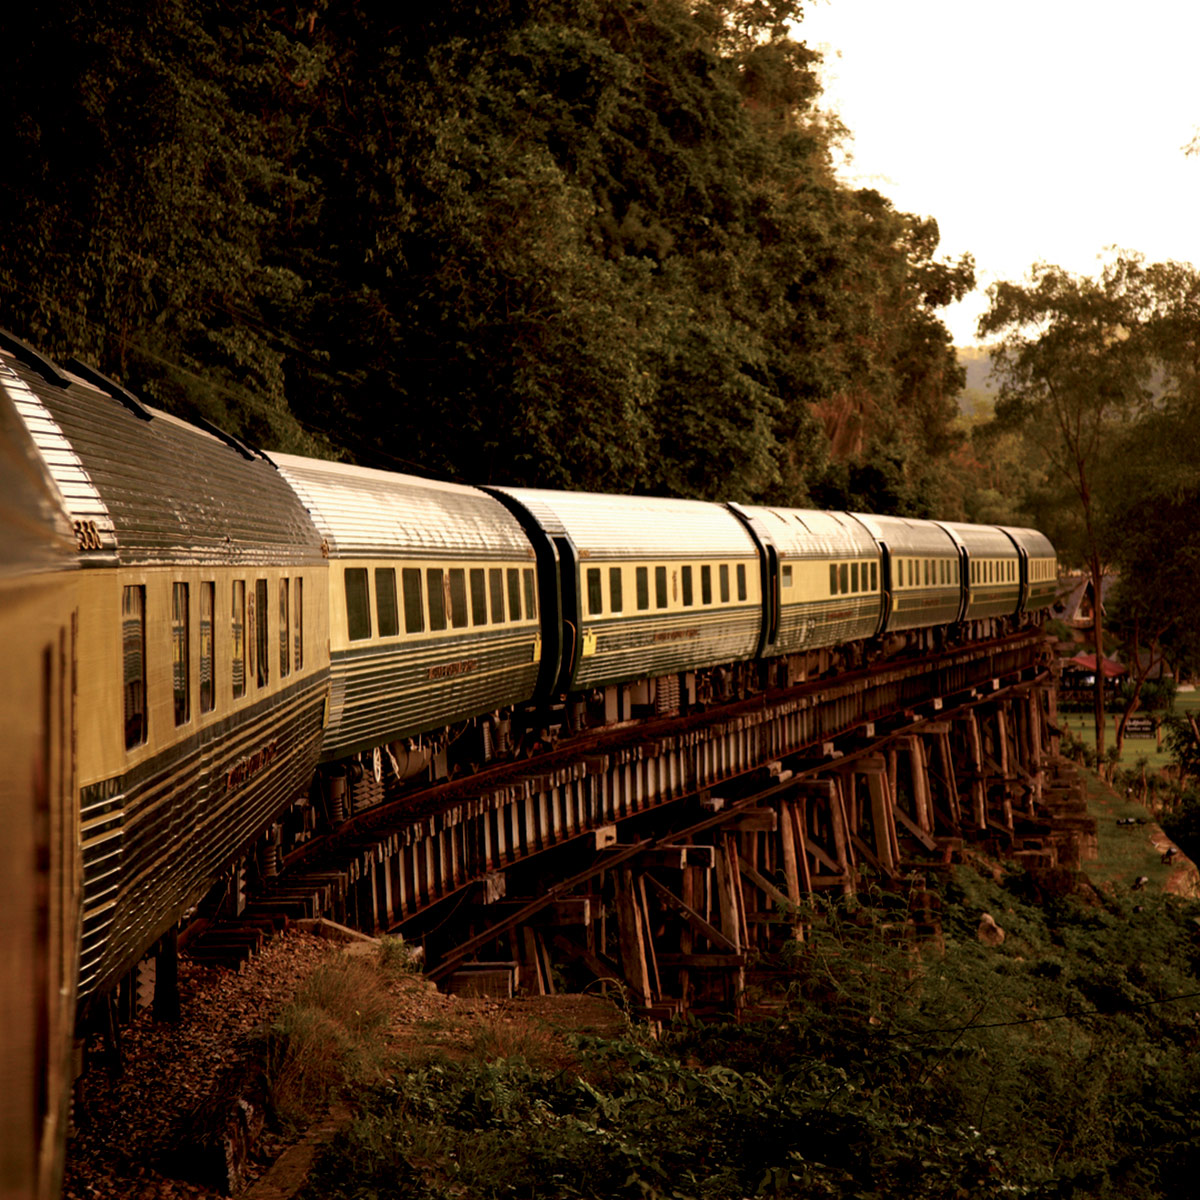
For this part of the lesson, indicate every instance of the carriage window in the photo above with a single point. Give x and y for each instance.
(496, 587)
(833, 578)
(595, 600)
(741, 578)
(687, 584)
(435, 586)
(514, 593)
(458, 598)
(133, 653)
(724, 581)
(262, 644)
(414, 602)
(385, 602)
(478, 596)
(844, 577)
(787, 575)
(643, 588)
(238, 628)
(660, 587)
(854, 577)
(530, 594)
(358, 604)
(616, 598)
(208, 598)
(874, 577)
(179, 652)
(706, 585)
(299, 614)
(285, 629)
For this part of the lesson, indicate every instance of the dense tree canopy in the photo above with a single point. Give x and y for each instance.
(1103, 377)
(574, 243)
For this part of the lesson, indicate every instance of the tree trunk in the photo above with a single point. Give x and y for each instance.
(1098, 637)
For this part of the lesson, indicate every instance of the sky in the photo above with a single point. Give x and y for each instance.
(1031, 131)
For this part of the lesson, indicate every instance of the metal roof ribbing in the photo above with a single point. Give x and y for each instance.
(366, 513)
(810, 533)
(1037, 544)
(649, 527)
(162, 491)
(37, 535)
(907, 535)
(981, 539)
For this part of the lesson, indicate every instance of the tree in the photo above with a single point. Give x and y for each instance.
(1075, 365)
(1151, 520)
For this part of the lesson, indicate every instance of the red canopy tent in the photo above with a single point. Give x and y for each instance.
(1087, 662)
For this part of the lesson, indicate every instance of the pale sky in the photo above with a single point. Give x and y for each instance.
(1031, 130)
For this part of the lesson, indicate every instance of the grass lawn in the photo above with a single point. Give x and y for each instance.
(1081, 726)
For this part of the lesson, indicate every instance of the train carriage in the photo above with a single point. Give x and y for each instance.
(924, 571)
(202, 663)
(39, 892)
(828, 577)
(1039, 568)
(433, 602)
(649, 587)
(993, 574)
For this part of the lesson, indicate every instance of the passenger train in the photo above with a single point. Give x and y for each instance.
(198, 635)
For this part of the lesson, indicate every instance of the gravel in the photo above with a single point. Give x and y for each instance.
(127, 1125)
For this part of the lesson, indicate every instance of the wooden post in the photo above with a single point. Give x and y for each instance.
(887, 846)
(687, 939)
(975, 757)
(787, 855)
(651, 957)
(920, 783)
(946, 761)
(629, 931)
(1003, 760)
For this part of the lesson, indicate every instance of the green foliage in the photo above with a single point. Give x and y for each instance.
(1059, 1063)
(577, 243)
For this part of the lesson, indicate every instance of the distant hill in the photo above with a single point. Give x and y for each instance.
(977, 361)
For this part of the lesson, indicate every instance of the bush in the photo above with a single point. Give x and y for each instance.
(327, 1037)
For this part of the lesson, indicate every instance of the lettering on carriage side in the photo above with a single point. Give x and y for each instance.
(250, 765)
(464, 666)
(676, 635)
(87, 536)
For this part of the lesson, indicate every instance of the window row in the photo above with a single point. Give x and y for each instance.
(434, 597)
(847, 578)
(1043, 568)
(992, 570)
(249, 645)
(926, 572)
(682, 587)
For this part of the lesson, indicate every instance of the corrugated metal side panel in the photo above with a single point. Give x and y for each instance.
(919, 608)
(155, 841)
(827, 622)
(400, 690)
(367, 513)
(174, 493)
(647, 527)
(637, 647)
(905, 535)
(993, 600)
(808, 533)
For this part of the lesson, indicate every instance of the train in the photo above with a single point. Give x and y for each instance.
(211, 649)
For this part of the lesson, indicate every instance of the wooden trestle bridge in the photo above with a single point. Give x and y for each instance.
(673, 856)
